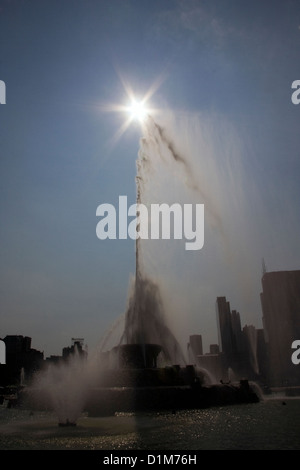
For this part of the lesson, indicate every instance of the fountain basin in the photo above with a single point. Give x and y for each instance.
(108, 401)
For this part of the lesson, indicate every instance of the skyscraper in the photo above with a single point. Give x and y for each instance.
(239, 347)
(250, 341)
(225, 331)
(280, 300)
(195, 347)
(236, 332)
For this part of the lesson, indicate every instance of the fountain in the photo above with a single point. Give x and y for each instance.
(146, 369)
(60, 387)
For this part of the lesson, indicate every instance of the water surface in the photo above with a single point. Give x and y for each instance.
(271, 424)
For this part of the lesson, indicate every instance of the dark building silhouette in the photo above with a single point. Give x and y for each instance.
(21, 360)
(225, 331)
(76, 348)
(195, 347)
(262, 357)
(53, 359)
(214, 364)
(196, 344)
(214, 349)
(280, 300)
(237, 336)
(250, 350)
(239, 347)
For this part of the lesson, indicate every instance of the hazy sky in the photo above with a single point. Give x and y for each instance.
(227, 64)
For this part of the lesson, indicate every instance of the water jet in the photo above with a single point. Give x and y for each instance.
(146, 370)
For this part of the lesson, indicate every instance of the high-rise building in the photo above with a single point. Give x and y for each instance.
(250, 341)
(214, 349)
(20, 359)
(213, 365)
(195, 347)
(17, 344)
(196, 344)
(262, 356)
(75, 349)
(239, 347)
(224, 327)
(280, 300)
(238, 344)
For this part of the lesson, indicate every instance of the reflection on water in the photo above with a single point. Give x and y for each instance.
(265, 425)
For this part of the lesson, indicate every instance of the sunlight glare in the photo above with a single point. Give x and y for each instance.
(137, 110)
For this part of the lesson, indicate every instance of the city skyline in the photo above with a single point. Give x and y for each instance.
(262, 355)
(229, 321)
(221, 77)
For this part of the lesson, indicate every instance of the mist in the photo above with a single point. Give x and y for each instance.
(193, 158)
(203, 159)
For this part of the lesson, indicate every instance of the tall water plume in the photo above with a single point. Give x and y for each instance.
(198, 159)
(145, 320)
(165, 174)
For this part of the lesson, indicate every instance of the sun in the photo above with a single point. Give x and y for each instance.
(137, 110)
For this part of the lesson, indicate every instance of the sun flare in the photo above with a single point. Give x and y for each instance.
(137, 110)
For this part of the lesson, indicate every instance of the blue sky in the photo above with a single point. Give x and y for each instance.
(232, 62)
